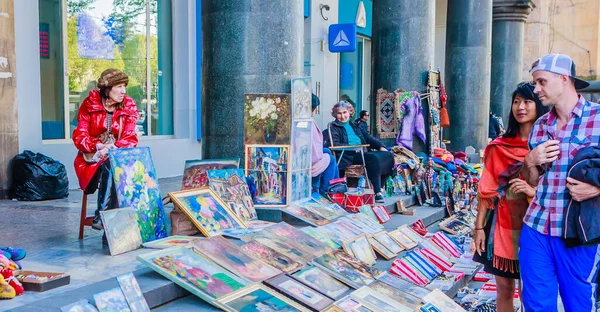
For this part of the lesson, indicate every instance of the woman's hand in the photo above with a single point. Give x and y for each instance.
(518, 186)
(479, 241)
(103, 153)
(383, 149)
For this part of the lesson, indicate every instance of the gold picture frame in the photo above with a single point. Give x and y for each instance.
(367, 256)
(402, 239)
(228, 216)
(380, 249)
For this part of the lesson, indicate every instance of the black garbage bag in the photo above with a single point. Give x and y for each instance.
(38, 177)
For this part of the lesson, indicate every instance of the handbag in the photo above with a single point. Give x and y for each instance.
(106, 138)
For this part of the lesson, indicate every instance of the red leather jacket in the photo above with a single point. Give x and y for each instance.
(92, 123)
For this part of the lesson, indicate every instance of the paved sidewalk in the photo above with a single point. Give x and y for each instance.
(49, 232)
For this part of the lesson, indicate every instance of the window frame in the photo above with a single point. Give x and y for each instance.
(65, 73)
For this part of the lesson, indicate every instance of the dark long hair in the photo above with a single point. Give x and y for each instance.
(525, 90)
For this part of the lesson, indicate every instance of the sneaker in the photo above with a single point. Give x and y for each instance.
(16, 254)
(12, 281)
(97, 225)
(379, 198)
(6, 291)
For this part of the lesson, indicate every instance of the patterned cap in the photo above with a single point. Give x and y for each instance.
(112, 77)
(559, 64)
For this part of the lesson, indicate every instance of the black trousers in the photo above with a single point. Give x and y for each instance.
(380, 165)
(102, 181)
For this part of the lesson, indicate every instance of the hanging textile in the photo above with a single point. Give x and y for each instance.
(387, 127)
(435, 118)
(410, 118)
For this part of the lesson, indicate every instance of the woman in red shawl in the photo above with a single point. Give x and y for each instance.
(106, 120)
(504, 196)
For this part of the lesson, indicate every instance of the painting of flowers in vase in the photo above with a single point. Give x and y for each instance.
(267, 118)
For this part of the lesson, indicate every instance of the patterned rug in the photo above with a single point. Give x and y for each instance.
(386, 125)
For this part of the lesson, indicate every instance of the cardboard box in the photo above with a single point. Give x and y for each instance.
(47, 281)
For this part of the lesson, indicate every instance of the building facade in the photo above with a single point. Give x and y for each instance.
(191, 61)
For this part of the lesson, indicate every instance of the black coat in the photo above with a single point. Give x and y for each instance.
(582, 219)
(339, 137)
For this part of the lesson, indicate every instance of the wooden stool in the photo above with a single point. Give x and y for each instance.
(84, 220)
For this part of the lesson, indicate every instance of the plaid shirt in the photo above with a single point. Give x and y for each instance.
(546, 211)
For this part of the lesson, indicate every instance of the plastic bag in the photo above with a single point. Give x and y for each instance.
(38, 177)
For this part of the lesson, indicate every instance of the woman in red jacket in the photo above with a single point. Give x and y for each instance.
(106, 120)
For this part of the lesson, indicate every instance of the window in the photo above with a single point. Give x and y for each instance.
(81, 38)
(355, 75)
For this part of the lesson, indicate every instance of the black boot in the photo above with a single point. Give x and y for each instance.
(106, 194)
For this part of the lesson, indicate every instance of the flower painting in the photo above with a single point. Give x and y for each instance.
(267, 118)
(230, 185)
(267, 165)
(206, 211)
(301, 98)
(137, 187)
(195, 171)
(231, 257)
(193, 272)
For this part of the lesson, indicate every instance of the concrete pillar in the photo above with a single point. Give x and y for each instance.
(468, 47)
(508, 30)
(403, 40)
(9, 133)
(248, 46)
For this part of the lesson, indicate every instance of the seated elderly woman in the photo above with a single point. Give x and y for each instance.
(345, 132)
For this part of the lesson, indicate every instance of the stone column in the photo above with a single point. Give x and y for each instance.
(403, 40)
(248, 46)
(468, 47)
(9, 131)
(508, 29)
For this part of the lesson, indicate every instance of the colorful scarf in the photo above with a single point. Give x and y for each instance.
(503, 161)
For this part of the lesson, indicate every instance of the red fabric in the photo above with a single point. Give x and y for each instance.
(92, 123)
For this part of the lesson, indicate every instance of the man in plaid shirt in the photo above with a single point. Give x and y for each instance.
(546, 264)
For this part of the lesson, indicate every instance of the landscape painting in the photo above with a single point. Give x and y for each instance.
(136, 184)
(230, 185)
(194, 171)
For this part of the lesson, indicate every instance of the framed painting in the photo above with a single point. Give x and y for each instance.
(267, 118)
(380, 249)
(171, 241)
(317, 207)
(441, 301)
(239, 233)
(410, 233)
(301, 185)
(137, 187)
(404, 285)
(133, 293)
(121, 229)
(195, 171)
(354, 274)
(356, 225)
(402, 239)
(322, 235)
(258, 298)
(301, 293)
(111, 300)
(194, 273)
(350, 304)
(301, 98)
(329, 204)
(368, 211)
(300, 238)
(361, 250)
(79, 306)
(232, 258)
(230, 185)
(388, 242)
(343, 229)
(270, 256)
(379, 301)
(206, 211)
(267, 166)
(396, 294)
(325, 283)
(304, 214)
(284, 246)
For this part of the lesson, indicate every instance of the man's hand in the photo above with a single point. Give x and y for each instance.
(519, 186)
(581, 191)
(544, 153)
